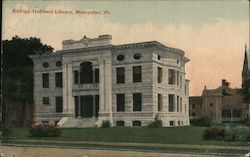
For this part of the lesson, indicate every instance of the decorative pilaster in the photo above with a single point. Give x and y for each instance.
(68, 104)
(101, 87)
(70, 84)
(108, 89)
(105, 87)
(65, 88)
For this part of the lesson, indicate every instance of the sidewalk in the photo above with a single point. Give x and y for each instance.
(247, 148)
(15, 151)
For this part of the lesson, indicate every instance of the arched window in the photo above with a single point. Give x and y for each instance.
(86, 74)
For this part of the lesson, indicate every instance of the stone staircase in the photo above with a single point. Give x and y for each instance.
(79, 123)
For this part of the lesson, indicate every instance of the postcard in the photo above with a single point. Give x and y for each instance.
(125, 78)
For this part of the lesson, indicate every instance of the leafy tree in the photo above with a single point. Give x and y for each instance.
(17, 75)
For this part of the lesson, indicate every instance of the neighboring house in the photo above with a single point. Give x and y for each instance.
(195, 107)
(223, 104)
(91, 80)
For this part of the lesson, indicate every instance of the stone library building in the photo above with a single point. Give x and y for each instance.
(92, 80)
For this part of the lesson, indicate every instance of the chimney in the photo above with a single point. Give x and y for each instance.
(223, 82)
(205, 87)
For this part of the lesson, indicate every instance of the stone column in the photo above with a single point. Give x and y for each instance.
(65, 88)
(108, 88)
(101, 87)
(105, 87)
(70, 106)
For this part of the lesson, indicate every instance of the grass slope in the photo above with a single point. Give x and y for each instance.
(178, 135)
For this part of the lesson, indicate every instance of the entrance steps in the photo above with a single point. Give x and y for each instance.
(79, 123)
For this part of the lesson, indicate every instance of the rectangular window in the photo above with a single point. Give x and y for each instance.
(59, 79)
(181, 104)
(178, 75)
(171, 76)
(137, 101)
(185, 89)
(178, 103)
(137, 74)
(46, 100)
(76, 77)
(120, 75)
(193, 113)
(193, 105)
(76, 106)
(46, 80)
(159, 102)
(120, 102)
(59, 104)
(185, 108)
(171, 103)
(159, 75)
(180, 81)
(96, 75)
(96, 105)
(171, 123)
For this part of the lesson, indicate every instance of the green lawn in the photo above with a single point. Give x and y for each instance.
(178, 135)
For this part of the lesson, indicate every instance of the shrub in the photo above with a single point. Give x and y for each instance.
(214, 133)
(6, 130)
(156, 123)
(105, 124)
(239, 133)
(203, 121)
(45, 130)
(247, 122)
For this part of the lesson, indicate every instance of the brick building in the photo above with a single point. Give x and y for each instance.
(91, 80)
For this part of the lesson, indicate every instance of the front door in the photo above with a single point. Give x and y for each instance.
(87, 106)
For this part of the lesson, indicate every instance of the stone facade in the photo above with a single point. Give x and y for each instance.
(129, 85)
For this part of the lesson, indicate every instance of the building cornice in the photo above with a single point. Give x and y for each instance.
(47, 55)
(153, 44)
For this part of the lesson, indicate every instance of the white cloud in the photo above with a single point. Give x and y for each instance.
(215, 49)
